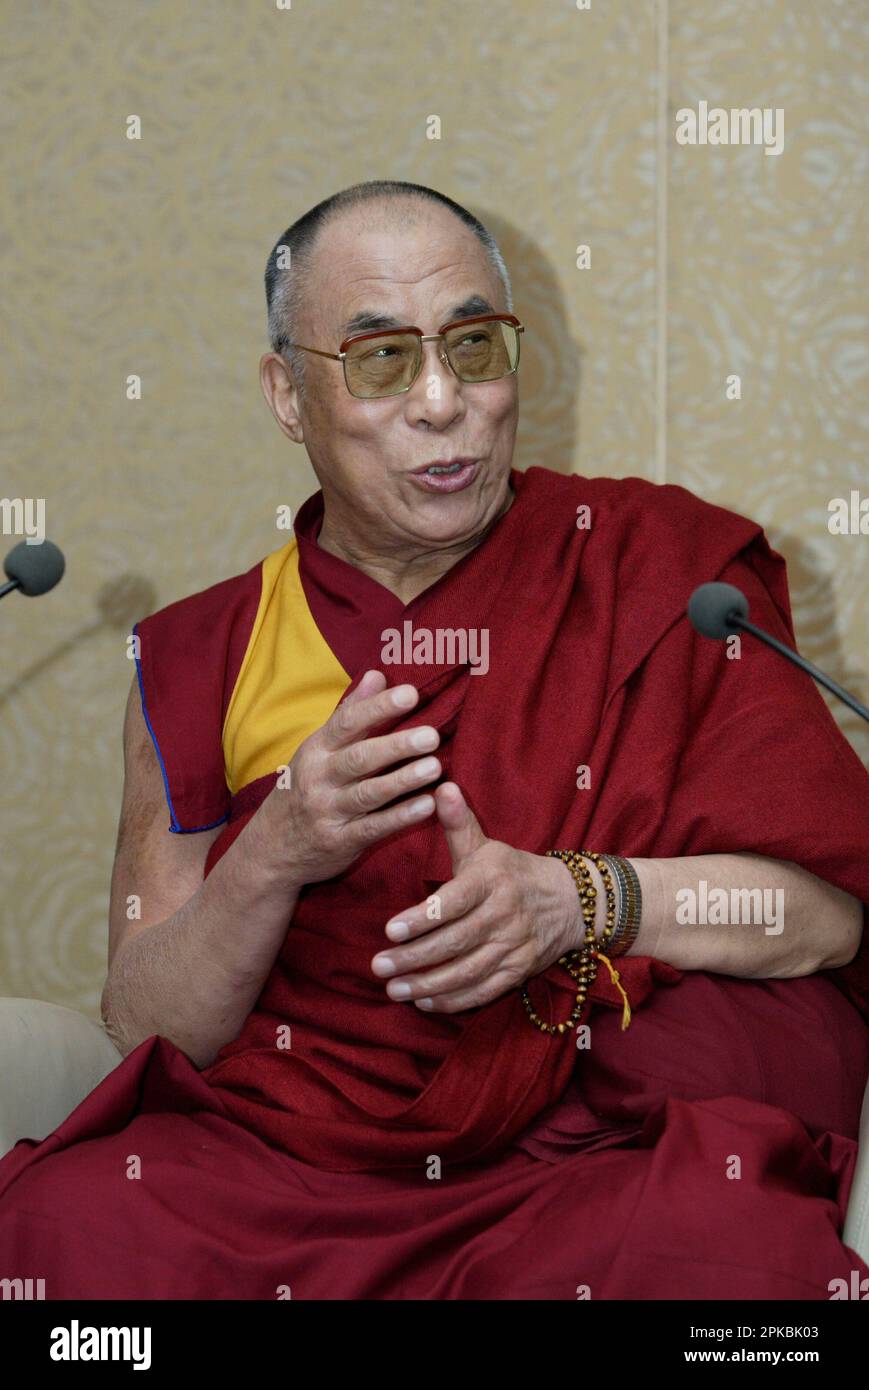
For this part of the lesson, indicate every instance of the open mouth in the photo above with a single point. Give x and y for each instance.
(447, 477)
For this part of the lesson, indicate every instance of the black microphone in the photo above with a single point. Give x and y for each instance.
(34, 569)
(719, 610)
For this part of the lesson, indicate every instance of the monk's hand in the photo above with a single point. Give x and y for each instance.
(340, 797)
(504, 916)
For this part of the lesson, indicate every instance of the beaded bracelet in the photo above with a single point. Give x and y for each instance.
(581, 964)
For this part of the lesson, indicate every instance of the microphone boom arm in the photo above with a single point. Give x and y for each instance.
(735, 619)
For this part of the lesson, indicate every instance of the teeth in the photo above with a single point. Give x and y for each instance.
(450, 468)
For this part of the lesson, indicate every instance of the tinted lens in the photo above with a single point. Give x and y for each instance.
(483, 351)
(383, 365)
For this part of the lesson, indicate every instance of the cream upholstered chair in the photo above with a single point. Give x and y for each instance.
(52, 1057)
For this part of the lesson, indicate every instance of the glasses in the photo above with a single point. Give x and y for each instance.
(483, 348)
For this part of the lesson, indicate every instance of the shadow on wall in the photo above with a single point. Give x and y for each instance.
(820, 636)
(119, 604)
(550, 381)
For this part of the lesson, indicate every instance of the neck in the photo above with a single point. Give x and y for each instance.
(405, 574)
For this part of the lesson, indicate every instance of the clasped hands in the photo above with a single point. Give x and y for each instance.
(504, 916)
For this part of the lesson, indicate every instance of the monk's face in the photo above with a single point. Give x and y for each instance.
(416, 266)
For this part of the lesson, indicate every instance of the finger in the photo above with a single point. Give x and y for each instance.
(355, 717)
(498, 984)
(367, 830)
(360, 798)
(369, 755)
(454, 899)
(443, 944)
(463, 831)
(466, 972)
(372, 682)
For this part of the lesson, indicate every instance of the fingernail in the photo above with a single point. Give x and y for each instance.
(404, 696)
(398, 931)
(398, 991)
(424, 1003)
(426, 767)
(383, 965)
(424, 739)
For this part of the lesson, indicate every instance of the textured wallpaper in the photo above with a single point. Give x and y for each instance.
(716, 338)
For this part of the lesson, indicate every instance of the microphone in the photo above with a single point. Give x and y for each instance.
(719, 610)
(34, 569)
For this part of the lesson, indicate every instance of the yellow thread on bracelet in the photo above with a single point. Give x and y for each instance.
(615, 977)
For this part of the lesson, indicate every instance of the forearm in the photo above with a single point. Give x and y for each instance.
(744, 915)
(773, 918)
(195, 977)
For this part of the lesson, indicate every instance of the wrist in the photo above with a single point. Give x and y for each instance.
(600, 901)
(268, 848)
(573, 932)
(648, 937)
(568, 905)
(575, 928)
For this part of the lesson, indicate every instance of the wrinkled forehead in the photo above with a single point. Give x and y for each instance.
(425, 269)
(367, 320)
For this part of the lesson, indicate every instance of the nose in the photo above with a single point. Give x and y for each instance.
(438, 401)
(434, 362)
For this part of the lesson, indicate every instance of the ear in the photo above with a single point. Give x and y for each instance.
(282, 395)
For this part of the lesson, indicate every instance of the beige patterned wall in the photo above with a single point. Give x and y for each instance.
(558, 128)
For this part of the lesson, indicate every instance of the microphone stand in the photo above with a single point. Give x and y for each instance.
(735, 619)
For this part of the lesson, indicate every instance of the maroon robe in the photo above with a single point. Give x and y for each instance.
(610, 1168)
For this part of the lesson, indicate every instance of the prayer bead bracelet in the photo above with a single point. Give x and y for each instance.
(581, 964)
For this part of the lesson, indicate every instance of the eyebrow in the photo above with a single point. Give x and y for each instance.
(367, 320)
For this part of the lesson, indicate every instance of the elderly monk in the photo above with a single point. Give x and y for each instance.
(380, 1041)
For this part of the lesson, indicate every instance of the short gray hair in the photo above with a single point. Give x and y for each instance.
(285, 284)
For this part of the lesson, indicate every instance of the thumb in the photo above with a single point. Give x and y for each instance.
(463, 831)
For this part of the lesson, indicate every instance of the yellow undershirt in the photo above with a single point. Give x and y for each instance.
(290, 679)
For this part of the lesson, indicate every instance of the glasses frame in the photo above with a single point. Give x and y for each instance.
(341, 354)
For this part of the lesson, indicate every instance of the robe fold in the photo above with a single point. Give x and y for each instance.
(350, 1146)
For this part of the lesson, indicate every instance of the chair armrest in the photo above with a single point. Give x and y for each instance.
(856, 1231)
(51, 1057)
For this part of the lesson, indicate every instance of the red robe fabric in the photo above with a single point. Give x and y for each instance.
(390, 1154)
